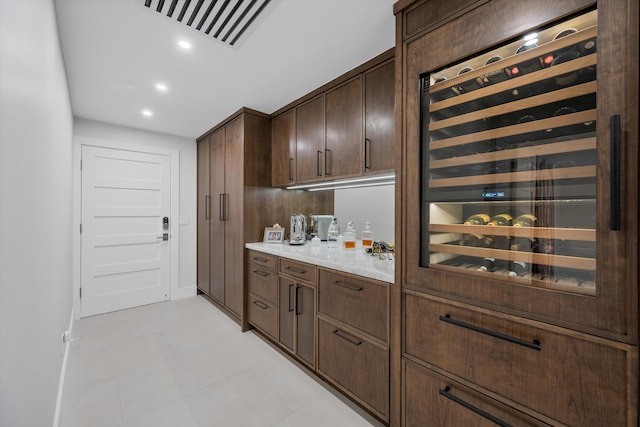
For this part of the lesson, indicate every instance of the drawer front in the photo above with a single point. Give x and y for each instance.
(263, 283)
(356, 365)
(263, 315)
(357, 302)
(260, 258)
(572, 378)
(430, 399)
(298, 270)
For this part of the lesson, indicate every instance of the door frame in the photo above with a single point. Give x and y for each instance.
(174, 228)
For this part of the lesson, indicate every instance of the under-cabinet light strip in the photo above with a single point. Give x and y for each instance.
(346, 181)
(341, 187)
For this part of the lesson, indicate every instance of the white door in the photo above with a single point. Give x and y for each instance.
(125, 249)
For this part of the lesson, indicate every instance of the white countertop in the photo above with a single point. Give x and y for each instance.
(354, 262)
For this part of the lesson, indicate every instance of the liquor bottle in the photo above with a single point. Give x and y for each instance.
(350, 237)
(474, 239)
(367, 235)
(332, 234)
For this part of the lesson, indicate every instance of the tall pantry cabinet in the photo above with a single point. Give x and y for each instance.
(517, 213)
(234, 175)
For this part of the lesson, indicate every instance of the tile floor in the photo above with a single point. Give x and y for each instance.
(184, 363)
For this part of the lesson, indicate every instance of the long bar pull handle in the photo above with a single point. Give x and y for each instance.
(614, 192)
(221, 207)
(298, 300)
(534, 345)
(367, 153)
(261, 304)
(327, 162)
(295, 270)
(338, 333)
(290, 168)
(348, 286)
(260, 273)
(290, 289)
(260, 259)
(318, 163)
(447, 393)
(207, 207)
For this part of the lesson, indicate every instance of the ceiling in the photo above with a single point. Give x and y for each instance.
(116, 51)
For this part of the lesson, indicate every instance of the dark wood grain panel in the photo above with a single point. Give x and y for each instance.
(262, 315)
(204, 213)
(310, 140)
(283, 149)
(217, 227)
(379, 101)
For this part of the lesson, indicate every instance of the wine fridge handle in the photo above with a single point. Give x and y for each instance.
(614, 193)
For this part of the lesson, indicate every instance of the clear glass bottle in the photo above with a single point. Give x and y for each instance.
(367, 235)
(350, 237)
(332, 234)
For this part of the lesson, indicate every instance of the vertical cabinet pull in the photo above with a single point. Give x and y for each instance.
(367, 153)
(297, 301)
(327, 162)
(290, 289)
(207, 207)
(318, 163)
(614, 192)
(223, 207)
(290, 168)
(447, 393)
(534, 345)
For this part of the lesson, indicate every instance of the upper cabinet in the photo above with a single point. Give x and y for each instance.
(343, 129)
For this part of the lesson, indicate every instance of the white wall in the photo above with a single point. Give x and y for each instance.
(373, 204)
(35, 212)
(93, 132)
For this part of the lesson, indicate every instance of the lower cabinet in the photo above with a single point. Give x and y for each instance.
(356, 364)
(430, 399)
(297, 315)
(263, 315)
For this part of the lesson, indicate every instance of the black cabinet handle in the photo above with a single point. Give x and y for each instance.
(348, 286)
(318, 163)
(290, 168)
(367, 153)
(447, 393)
(338, 333)
(260, 273)
(297, 301)
(535, 345)
(327, 162)
(295, 270)
(259, 259)
(222, 207)
(207, 207)
(261, 304)
(289, 304)
(614, 192)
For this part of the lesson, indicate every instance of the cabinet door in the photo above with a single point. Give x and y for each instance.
(286, 311)
(204, 213)
(233, 215)
(344, 144)
(538, 134)
(310, 141)
(283, 149)
(216, 232)
(379, 118)
(305, 323)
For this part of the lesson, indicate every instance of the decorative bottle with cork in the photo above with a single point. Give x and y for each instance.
(367, 236)
(350, 237)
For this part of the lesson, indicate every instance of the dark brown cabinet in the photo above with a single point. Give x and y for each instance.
(262, 292)
(343, 151)
(283, 149)
(379, 97)
(310, 141)
(230, 206)
(519, 211)
(297, 318)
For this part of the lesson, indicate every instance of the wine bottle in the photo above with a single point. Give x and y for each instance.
(525, 220)
(478, 219)
(498, 242)
(503, 219)
(488, 264)
(474, 239)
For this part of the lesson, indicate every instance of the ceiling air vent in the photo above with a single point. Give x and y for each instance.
(224, 20)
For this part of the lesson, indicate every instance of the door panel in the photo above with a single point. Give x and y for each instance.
(217, 225)
(310, 141)
(286, 309)
(305, 322)
(379, 113)
(204, 214)
(125, 262)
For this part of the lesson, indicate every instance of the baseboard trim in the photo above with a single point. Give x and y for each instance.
(63, 371)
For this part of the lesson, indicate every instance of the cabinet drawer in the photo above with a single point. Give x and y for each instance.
(262, 315)
(357, 302)
(260, 258)
(430, 399)
(355, 364)
(298, 270)
(571, 377)
(263, 283)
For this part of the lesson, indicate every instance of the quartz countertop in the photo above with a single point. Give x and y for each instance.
(355, 262)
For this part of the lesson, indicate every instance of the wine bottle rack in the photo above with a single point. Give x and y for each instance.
(515, 133)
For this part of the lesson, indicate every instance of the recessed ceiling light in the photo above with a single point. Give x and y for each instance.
(161, 87)
(147, 113)
(184, 44)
